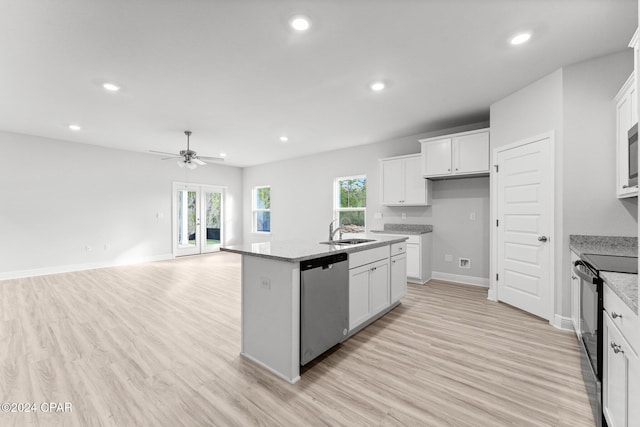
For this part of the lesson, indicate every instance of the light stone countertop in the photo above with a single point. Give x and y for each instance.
(301, 250)
(625, 286)
(406, 229)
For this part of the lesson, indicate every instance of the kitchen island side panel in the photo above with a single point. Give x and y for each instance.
(271, 314)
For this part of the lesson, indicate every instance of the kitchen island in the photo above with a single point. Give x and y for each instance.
(271, 291)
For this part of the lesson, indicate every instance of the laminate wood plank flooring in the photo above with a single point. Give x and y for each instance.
(158, 345)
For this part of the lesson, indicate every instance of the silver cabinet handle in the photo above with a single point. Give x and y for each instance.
(616, 315)
(616, 348)
(542, 238)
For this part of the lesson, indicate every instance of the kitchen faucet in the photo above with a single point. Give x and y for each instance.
(333, 232)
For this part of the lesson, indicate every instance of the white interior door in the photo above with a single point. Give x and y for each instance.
(525, 215)
(198, 212)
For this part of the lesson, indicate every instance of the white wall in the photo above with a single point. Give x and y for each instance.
(302, 201)
(576, 104)
(59, 197)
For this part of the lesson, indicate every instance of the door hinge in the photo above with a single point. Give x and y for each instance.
(496, 166)
(497, 223)
(497, 277)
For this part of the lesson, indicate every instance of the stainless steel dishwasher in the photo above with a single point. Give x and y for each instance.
(324, 304)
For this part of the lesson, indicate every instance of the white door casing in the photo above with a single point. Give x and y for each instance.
(524, 210)
(190, 235)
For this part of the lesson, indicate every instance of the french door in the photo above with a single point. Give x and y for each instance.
(198, 218)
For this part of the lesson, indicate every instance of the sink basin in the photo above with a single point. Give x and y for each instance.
(347, 241)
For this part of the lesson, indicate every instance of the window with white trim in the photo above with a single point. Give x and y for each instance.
(350, 202)
(261, 206)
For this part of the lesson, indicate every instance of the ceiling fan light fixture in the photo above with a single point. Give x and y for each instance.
(180, 163)
(191, 166)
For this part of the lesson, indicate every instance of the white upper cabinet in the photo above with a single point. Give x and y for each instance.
(460, 154)
(402, 182)
(626, 117)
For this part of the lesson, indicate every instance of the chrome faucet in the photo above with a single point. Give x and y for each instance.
(333, 232)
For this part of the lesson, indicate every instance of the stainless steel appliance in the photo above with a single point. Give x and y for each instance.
(633, 156)
(324, 305)
(588, 269)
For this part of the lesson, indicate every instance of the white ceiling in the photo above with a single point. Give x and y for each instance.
(236, 75)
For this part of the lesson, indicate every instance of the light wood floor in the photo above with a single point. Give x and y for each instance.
(158, 345)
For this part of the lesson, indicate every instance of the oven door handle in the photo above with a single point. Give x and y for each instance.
(581, 274)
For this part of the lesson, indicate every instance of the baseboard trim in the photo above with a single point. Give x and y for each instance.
(459, 278)
(270, 369)
(491, 295)
(562, 323)
(57, 269)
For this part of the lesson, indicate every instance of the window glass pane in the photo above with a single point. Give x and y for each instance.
(263, 198)
(353, 222)
(353, 193)
(263, 221)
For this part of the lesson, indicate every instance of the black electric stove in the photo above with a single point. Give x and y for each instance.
(615, 263)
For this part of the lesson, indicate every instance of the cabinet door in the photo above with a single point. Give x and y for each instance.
(392, 182)
(379, 286)
(415, 185)
(623, 124)
(575, 297)
(413, 260)
(436, 157)
(398, 277)
(471, 153)
(358, 296)
(615, 375)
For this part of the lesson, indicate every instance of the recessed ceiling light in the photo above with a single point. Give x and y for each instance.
(377, 86)
(300, 23)
(284, 138)
(520, 38)
(111, 87)
(74, 128)
(223, 154)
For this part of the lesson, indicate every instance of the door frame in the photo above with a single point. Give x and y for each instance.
(201, 234)
(493, 283)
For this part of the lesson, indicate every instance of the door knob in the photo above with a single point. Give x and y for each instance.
(542, 238)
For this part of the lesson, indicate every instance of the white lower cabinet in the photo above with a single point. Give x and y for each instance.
(368, 291)
(620, 371)
(575, 296)
(419, 248)
(398, 277)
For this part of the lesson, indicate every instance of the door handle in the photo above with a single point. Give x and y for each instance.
(542, 238)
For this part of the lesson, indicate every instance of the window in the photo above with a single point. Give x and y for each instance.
(350, 202)
(262, 209)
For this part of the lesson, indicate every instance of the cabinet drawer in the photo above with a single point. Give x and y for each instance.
(625, 319)
(357, 259)
(398, 248)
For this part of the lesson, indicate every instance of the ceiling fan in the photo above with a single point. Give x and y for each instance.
(189, 157)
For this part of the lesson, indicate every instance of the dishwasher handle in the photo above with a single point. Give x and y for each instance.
(587, 276)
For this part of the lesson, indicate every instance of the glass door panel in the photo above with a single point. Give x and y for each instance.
(187, 206)
(212, 214)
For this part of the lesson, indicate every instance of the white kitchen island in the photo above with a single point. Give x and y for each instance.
(271, 293)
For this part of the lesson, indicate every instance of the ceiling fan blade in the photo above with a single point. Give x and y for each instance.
(172, 157)
(162, 152)
(211, 159)
(197, 161)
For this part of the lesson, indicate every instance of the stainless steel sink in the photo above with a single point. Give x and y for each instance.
(347, 241)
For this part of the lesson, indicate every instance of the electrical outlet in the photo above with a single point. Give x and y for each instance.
(265, 283)
(448, 258)
(377, 215)
(88, 248)
(472, 216)
(107, 246)
(404, 215)
(464, 263)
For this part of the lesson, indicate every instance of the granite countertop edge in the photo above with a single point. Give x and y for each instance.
(314, 250)
(624, 285)
(398, 232)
